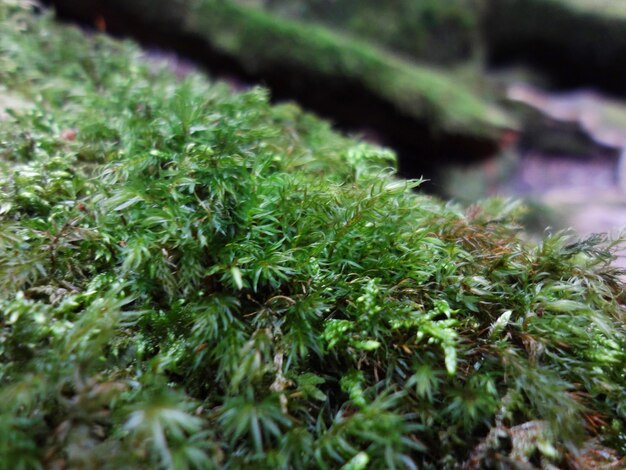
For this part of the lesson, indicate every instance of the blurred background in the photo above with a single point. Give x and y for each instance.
(515, 98)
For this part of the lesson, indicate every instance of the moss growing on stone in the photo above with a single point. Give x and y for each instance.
(196, 279)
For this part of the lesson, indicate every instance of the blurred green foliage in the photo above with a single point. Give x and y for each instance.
(444, 32)
(263, 42)
(196, 279)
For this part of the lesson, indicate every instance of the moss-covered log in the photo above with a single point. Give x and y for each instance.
(445, 32)
(423, 112)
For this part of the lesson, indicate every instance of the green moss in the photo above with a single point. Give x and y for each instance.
(262, 42)
(441, 32)
(266, 44)
(570, 11)
(196, 279)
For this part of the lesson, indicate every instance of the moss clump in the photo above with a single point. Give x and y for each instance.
(194, 279)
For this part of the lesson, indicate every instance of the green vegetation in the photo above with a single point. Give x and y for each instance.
(443, 32)
(603, 8)
(196, 279)
(446, 32)
(262, 41)
(267, 45)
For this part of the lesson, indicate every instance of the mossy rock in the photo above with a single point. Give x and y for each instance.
(191, 278)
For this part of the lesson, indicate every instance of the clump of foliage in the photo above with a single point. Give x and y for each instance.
(196, 279)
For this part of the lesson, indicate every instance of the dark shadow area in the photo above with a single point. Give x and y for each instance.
(571, 49)
(566, 70)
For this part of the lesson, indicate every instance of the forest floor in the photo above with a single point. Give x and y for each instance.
(586, 189)
(584, 193)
